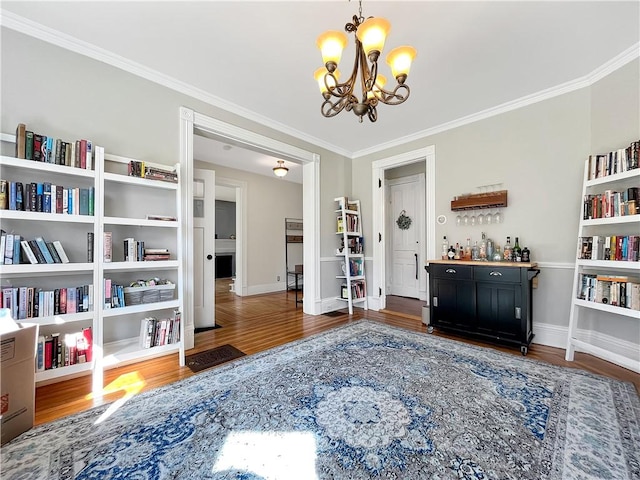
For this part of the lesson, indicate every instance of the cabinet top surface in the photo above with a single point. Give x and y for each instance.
(483, 264)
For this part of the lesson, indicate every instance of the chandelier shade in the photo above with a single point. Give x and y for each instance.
(364, 88)
(280, 170)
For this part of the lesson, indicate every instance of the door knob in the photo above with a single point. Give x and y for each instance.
(209, 257)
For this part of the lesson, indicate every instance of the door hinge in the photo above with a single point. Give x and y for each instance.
(379, 237)
(379, 183)
(379, 291)
(435, 302)
(518, 313)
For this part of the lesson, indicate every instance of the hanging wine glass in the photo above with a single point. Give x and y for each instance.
(497, 217)
(458, 220)
(488, 218)
(473, 219)
(480, 219)
(465, 219)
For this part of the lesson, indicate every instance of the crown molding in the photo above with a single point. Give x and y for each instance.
(33, 29)
(599, 73)
(55, 37)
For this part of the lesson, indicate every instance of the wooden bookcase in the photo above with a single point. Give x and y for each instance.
(121, 205)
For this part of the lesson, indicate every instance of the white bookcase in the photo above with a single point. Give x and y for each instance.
(353, 288)
(121, 206)
(614, 225)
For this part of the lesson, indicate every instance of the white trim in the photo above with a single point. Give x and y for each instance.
(602, 71)
(556, 336)
(559, 265)
(55, 37)
(266, 288)
(428, 154)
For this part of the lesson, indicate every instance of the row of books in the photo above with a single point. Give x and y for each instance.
(113, 294)
(15, 249)
(33, 302)
(155, 332)
(616, 290)
(152, 171)
(57, 351)
(356, 267)
(352, 223)
(611, 204)
(355, 246)
(43, 148)
(47, 198)
(358, 290)
(615, 247)
(618, 161)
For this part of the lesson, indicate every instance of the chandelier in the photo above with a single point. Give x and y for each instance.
(370, 35)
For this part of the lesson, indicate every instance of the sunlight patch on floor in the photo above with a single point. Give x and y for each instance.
(270, 455)
(130, 383)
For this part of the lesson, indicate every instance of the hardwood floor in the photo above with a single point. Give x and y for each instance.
(253, 324)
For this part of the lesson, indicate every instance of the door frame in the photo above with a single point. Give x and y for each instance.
(421, 180)
(377, 299)
(190, 120)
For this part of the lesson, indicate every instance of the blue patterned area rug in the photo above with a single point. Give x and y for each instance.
(360, 401)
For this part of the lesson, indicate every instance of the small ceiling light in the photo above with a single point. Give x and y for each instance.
(280, 170)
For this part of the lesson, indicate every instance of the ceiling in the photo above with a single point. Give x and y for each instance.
(257, 58)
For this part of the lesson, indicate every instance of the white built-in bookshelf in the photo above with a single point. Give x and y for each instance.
(607, 271)
(121, 206)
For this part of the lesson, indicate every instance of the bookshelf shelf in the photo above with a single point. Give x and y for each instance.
(121, 204)
(600, 284)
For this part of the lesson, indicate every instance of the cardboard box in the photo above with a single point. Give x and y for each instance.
(18, 343)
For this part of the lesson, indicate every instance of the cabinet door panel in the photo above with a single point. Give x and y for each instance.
(454, 306)
(496, 309)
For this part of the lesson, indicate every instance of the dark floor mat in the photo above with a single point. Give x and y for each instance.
(210, 358)
(335, 313)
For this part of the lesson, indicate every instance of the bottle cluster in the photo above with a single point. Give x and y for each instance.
(487, 250)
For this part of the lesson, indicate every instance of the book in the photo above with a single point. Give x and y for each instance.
(42, 245)
(37, 147)
(60, 250)
(21, 136)
(36, 251)
(8, 249)
(53, 252)
(26, 248)
(4, 195)
(28, 147)
(108, 247)
(16, 248)
(40, 354)
(90, 247)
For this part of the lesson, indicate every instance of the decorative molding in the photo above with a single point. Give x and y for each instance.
(55, 37)
(560, 265)
(266, 288)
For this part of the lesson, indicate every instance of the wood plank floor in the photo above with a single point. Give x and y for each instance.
(253, 324)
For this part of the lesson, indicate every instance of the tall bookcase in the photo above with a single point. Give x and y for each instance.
(121, 206)
(353, 288)
(605, 214)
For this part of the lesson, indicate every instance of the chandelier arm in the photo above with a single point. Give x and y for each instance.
(395, 97)
(331, 109)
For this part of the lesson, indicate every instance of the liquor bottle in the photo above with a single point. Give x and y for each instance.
(489, 249)
(483, 248)
(517, 252)
(497, 255)
(451, 253)
(475, 251)
(508, 251)
(445, 248)
(456, 255)
(467, 250)
(526, 255)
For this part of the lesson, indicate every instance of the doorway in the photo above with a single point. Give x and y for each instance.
(381, 222)
(190, 122)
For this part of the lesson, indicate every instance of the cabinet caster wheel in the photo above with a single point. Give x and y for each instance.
(524, 349)
(430, 329)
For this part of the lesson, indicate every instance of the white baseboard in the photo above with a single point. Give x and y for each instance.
(556, 336)
(266, 288)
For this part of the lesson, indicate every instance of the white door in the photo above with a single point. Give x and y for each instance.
(406, 198)
(204, 226)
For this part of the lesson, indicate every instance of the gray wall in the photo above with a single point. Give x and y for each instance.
(537, 153)
(225, 219)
